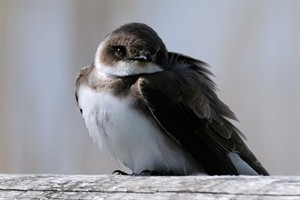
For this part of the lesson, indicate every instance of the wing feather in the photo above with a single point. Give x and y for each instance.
(184, 102)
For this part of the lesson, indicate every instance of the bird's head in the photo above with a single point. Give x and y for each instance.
(133, 48)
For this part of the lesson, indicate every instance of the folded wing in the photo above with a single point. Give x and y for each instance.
(183, 101)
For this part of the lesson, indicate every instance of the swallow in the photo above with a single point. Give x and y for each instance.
(157, 112)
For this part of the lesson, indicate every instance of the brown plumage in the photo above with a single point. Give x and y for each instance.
(179, 99)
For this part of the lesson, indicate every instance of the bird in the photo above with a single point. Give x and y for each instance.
(157, 112)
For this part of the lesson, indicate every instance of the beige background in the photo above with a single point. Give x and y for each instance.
(252, 46)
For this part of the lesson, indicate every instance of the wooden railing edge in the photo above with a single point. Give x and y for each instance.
(22, 186)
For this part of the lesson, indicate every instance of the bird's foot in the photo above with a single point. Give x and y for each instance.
(155, 173)
(119, 172)
(146, 173)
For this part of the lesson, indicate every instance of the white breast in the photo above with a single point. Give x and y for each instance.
(129, 136)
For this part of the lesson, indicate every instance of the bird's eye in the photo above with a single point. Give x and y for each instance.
(119, 51)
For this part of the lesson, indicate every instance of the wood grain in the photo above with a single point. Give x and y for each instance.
(144, 187)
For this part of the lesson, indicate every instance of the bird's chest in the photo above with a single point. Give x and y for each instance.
(130, 136)
(116, 125)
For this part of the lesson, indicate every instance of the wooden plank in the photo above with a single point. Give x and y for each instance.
(144, 187)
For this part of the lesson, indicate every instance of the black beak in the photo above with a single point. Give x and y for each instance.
(142, 58)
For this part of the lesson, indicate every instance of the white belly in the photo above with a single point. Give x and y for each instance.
(129, 136)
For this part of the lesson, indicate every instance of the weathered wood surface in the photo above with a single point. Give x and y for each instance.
(142, 187)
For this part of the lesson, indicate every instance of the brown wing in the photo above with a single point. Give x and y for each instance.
(183, 101)
(82, 79)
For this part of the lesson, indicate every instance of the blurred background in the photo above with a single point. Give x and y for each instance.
(252, 47)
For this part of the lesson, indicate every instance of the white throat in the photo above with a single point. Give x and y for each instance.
(123, 68)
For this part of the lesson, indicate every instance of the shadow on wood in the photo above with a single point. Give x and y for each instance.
(143, 187)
